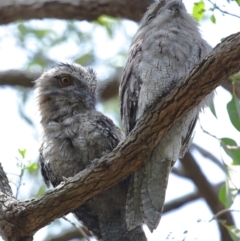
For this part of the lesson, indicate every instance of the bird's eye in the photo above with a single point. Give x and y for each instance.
(66, 80)
(150, 18)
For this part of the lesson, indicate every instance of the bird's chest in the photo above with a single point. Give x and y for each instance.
(169, 54)
(64, 150)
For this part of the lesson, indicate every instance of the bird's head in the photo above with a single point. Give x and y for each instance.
(162, 13)
(65, 90)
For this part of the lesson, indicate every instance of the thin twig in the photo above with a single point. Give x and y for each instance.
(215, 6)
(223, 211)
(208, 133)
(208, 155)
(22, 166)
(81, 231)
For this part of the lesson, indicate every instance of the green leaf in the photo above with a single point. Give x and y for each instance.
(85, 59)
(212, 108)
(198, 10)
(108, 22)
(235, 78)
(31, 167)
(222, 39)
(238, 2)
(22, 152)
(231, 148)
(230, 189)
(233, 108)
(234, 232)
(224, 197)
(40, 33)
(213, 19)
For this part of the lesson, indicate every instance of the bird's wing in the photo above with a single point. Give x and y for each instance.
(153, 189)
(148, 185)
(130, 88)
(43, 167)
(186, 142)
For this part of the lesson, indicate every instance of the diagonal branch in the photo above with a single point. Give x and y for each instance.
(208, 155)
(179, 202)
(205, 188)
(131, 154)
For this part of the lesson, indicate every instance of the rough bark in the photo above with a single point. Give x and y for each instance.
(168, 207)
(4, 184)
(30, 215)
(13, 10)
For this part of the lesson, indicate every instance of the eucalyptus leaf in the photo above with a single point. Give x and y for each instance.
(213, 19)
(22, 152)
(238, 2)
(224, 196)
(212, 108)
(198, 10)
(234, 233)
(233, 108)
(231, 148)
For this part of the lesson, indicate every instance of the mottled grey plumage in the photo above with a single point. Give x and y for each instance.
(165, 48)
(74, 135)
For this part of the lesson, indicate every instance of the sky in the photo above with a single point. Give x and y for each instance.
(17, 134)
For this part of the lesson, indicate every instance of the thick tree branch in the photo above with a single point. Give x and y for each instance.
(107, 88)
(17, 77)
(205, 188)
(127, 157)
(13, 10)
(168, 207)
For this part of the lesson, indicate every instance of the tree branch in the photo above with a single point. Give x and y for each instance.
(178, 202)
(215, 6)
(205, 188)
(108, 88)
(13, 10)
(4, 184)
(208, 155)
(168, 207)
(128, 156)
(17, 77)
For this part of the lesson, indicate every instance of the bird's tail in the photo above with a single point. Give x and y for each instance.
(146, 193)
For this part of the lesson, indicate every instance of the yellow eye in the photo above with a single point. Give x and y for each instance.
(65, 80)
